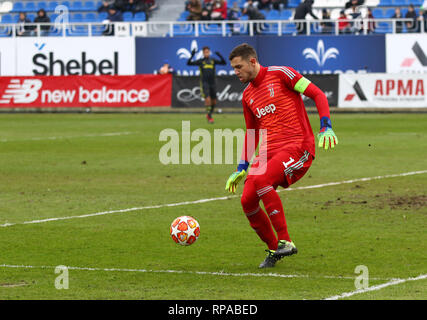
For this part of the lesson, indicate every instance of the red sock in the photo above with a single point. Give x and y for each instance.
(261, 224)
(274, 208)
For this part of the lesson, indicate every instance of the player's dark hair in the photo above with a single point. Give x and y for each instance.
(206, 48)
(245, 51)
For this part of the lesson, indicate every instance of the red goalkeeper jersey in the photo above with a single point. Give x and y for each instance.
(272, 105)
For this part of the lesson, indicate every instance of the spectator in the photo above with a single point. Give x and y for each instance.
(195, 9)
(251, 9)
(234, 14)
(105, 6)
(399, 23)
(301, 11)
(44, 20)
(126, 5)
(279, 4)
(371, 21)
(166, 68)
(264, 4)
(149, 6)
(23, 27)
(219, 11)
(355, 14)
(351, 2)
(114, 15)
(411, 26)
(343, 23)
(327, 26)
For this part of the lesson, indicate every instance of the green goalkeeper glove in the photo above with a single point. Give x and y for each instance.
(235, 177)
(326, 136)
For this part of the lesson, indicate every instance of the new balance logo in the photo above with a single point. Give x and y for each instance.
(26, 92)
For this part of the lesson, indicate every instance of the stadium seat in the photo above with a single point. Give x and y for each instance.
(90, 17)
(385, 3)
(127, 16)
(389, 13)
(399, 3)
(76, 17)
(293, 3)
(89, 6)
(51, 6)
(30, 6)
(378, 13)
(66, 4)
(273, 15)
(76, 6)
(7, 18)
(17, 7)
(41, 5)
(139, 16)
(102, 16)
(286, 14)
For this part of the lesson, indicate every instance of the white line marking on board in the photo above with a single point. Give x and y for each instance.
(109, 134)
(212, 273)
(377, 287)
(210, 199)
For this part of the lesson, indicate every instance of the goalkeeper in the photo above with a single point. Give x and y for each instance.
(272, 105)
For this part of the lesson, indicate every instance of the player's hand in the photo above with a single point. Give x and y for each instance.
(234, 180)
(327, 137)
(218, 54)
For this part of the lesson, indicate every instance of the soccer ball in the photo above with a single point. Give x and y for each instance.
(185, 230)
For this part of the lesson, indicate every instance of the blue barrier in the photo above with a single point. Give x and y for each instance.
(307, 54)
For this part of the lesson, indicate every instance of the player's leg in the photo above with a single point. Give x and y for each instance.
(258, 219)
(210, 106)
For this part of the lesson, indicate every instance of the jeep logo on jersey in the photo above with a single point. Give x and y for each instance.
(266, 110)
(27, 92)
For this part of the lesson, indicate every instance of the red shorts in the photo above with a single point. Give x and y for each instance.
(283, 168)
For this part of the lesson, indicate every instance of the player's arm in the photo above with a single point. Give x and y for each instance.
(221, 61)
(248, 150)
(326, 136)
(300, 84)
(193, 63)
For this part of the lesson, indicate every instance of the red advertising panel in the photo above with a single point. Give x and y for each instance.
(86, 91)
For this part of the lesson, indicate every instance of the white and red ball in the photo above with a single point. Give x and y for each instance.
(185, 230)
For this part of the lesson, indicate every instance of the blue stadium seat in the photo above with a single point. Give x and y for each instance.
(293, 3)
(385, 3)
(89, 6)
(102, 16)
(183, 16)
(286, 14)
(17, 7)
(51, 6)
(90, 17)
(76, 17)
(378, 13)
(76, 6)
(41, 5)
(139, 16)
(127, 16)
(30, 6)
(7, 18)
(273, 15)
(399, 3)
(389, 13)
(66, 3)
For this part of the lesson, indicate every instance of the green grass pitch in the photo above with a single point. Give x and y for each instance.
(65, 165)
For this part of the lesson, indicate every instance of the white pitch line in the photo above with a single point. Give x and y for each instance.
(377, 287)
(209, 199)
(109, 134)
(212, 273)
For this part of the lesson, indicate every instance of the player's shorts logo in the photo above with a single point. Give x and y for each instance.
(26, 92)
(266, 110)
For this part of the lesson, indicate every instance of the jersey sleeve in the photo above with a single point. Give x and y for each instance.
(252, 133)
(297, 82)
